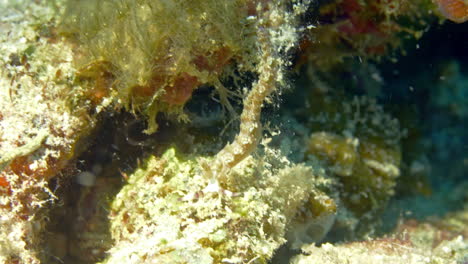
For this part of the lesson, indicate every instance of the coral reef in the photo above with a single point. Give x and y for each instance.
(42, 126)
(159, 52)
(171, 213)
(157, 131)
(435, 241)
(368, 29)
(89, 237)
(360, 145)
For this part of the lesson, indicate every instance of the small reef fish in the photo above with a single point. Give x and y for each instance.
(454, 10)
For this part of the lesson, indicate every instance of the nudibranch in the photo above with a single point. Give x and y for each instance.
(454, 10)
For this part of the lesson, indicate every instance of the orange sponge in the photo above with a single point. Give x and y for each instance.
(455, 10)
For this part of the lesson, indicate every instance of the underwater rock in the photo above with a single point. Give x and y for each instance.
(170, 213)
(89, 235)
(361, 145)
(367, 170)
(438, 241)
(159, 52)
(366, 29)
(69, 66)
(43, 124)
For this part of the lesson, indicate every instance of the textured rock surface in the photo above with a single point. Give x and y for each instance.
(89, 172)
